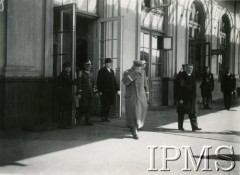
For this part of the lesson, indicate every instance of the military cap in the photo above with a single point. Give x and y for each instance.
(137, 63)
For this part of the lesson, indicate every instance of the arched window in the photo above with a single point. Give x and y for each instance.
(224, 31)
(224, 39)
(199, 49)
(194, 22)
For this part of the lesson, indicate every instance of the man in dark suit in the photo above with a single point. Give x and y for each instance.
(186, 98)
(228, 85)
(107, 88)
(207, 86)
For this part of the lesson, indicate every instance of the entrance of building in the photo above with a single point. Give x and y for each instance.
(73, 38)
(76, 40)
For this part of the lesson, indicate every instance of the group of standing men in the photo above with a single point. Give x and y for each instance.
(86, 90)
(136, 96)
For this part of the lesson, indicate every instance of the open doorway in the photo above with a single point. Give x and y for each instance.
(85, 49)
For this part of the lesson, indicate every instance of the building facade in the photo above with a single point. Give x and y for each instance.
(37, 37)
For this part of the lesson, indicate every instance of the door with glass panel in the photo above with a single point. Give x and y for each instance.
(110, 44)
(64, 42)
(151, 53)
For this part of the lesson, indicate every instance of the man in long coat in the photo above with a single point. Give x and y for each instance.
(107, 88)
(228, 85)
(64, 85)
(207, 86)
(135, 97)
(186, 97)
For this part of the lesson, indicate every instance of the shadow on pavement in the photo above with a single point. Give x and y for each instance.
(17, 145)
(234, 157)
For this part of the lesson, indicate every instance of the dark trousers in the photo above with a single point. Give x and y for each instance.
(206, 96)
(193, 120)
(85, 107)
(106, 102)
(66, 114)
(227, 100)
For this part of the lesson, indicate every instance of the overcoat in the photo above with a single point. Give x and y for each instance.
(135, 98)
(64, 83)
(228, 83)
(106, 83)
(187, 93)
(207, 84)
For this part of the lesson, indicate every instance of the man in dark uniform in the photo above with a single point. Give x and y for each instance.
(228, 85)
(64, 84)
(85, 89)
(186, 97)
(207, 86)
(107, 88)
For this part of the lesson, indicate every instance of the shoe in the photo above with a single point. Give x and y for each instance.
(89, 124)
(135, 137)
(196, 129)
(67, 127)
(181, 129)
(107, 120)
(208, 107)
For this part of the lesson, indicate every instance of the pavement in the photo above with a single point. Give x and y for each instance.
(109, 149)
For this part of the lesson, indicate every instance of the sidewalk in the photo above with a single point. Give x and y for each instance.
(108, 148)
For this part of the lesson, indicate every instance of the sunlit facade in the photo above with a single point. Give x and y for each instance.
(37, 37)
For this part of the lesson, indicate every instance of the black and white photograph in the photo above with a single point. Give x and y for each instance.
(119, 87)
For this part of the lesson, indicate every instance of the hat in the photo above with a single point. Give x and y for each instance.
(108, 60)
(87, 62)
(66, 64)
(137, 63)
(184, 65)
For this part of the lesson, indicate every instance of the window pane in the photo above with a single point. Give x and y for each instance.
(154, 42)
(115, 31)
(82, 5)
(115, 48)
(108, 49)
(92, 6)
(106, 30)
(102, 49)
(146, 40)
(141, 39)
(156, 70)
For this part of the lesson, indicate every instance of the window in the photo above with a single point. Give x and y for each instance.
(152, 3)
(194, 23)
(110, 42)
(199, 49)
(223, 32)
(150, 52)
